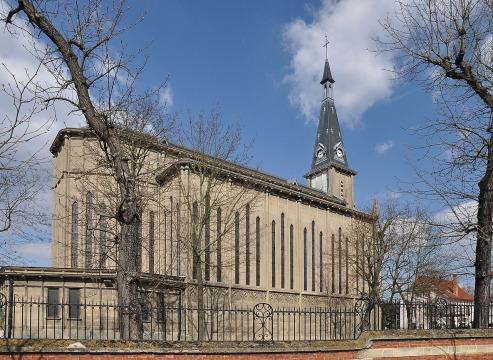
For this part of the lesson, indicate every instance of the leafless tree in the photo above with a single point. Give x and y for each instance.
(21, 173)
(76, 41)
(402, 245)
(447, 46)
(214, 200)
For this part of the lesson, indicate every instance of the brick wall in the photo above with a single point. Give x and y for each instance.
(409, 345)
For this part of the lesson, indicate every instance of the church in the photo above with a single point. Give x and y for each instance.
(261, 238)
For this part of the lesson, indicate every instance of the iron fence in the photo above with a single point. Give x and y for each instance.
(22, 319)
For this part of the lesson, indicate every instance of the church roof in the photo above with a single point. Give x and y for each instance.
(327, 74)
(265, 180)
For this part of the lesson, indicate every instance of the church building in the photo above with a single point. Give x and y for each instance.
(262, 239)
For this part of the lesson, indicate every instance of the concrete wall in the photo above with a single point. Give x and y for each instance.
(409, 345)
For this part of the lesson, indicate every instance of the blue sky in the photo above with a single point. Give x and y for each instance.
(261, 62)
(241, 55)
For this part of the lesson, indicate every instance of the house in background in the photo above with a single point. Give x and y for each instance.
(436, 303)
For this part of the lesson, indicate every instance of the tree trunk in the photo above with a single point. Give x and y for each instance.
(128, 215)
(483, 245)
(200, 302)
(128, 280)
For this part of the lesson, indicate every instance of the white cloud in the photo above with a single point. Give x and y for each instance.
(384, 147)
(166, 96)
(360, 80)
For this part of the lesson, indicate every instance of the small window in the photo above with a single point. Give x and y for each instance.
(342, 189)
(53, 302)
(73, 303)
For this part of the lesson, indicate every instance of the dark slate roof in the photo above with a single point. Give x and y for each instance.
(329, 138)
(327, 74)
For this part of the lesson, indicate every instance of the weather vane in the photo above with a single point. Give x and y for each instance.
(325, 46)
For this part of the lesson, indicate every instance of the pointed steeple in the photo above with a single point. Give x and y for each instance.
(327, 74)
(329, 147)
(330, 171)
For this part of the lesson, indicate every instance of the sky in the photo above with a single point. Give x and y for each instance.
(261, 63)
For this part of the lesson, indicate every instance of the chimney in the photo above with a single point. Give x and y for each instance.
(455, 288)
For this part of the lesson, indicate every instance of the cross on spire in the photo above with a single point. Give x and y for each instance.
(325, 46)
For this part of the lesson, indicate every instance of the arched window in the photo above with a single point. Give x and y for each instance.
(218, 246)
(273, 253)
(151, 242)
(282, 251)
(75, 235)
(88, 230)
(237, 247)
(291, 257)
(247, 245)
(347, 265)
(340, 261)
(195, 242)
(102, 237)
(357, 266)
(321, 266)
(257, 251)
(207, 239)
(333, 265)
(305, 270)
(313, 255)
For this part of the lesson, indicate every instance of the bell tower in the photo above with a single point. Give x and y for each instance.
(330, 172)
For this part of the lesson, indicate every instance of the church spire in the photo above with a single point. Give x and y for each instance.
(329, 153)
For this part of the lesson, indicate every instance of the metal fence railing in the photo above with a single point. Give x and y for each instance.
(22, 319)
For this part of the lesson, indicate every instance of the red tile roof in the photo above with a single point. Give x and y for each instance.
(445, 288)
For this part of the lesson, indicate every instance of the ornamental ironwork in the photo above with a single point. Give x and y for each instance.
(262, 322)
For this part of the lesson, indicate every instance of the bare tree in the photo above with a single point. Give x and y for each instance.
(214, 199)
(21, 172)
(447, 46)
(80, 40)
(401, 246)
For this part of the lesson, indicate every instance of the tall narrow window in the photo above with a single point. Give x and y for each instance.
(357, 266)
(172, 256)
(340, 261)
(282, 251)
(320, 264)
(333, 265)
(195, 241)
(273, 253)
(207, 240)
(102, 237)
(218, 246)
(347, 266)
(75, 235)
(88, 230)
(363, 260)
(73, 303)
(53, 303)
(237, 248)
(151, 242)
(247, 245)
(257, 251)
(291, 258)
(139, 242)
(305, 270)
(313, 255)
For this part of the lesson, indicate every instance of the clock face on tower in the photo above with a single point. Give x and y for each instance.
(339, 152)
(320, 153)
